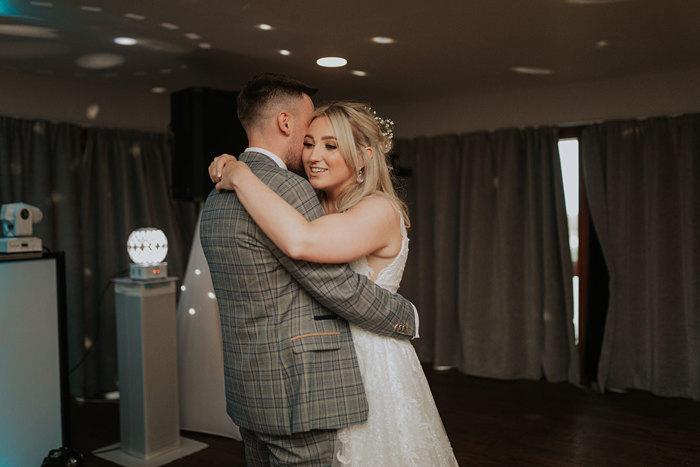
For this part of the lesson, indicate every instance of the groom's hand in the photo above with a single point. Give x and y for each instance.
(216, 168)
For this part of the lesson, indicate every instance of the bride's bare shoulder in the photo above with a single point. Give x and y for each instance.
(378, 203)
(380, 208)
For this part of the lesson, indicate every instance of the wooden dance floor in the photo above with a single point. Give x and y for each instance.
(490, 422)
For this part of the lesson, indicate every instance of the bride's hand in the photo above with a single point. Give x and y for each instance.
(217, 166)
(232, 173)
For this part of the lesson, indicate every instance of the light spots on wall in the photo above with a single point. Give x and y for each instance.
(92, 111)
(99, 61)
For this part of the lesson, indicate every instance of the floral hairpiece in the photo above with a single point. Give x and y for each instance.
(386, 125)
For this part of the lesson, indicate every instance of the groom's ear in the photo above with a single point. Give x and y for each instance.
(283, 123)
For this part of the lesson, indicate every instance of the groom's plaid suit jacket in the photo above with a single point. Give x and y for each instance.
(289, 360)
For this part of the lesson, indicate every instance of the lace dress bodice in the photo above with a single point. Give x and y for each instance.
(390, 276)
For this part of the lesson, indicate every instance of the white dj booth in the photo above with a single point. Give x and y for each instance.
(34, 395)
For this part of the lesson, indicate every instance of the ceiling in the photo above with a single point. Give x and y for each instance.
(441, 47)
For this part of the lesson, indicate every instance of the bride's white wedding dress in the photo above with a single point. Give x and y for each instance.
(404, 426)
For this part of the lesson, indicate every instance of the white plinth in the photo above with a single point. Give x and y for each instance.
(149, 413)
(116, 455)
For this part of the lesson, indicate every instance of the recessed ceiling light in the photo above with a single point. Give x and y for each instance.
(140, 73)
(359, 73)
(193, 36)
(531, 70)
(265, 27)
(205, 45)
(125, 41)
(44, 4)
(383, 40)
(331, 62)
(285, 52)
(134, 16)
(601, 44)
(158, 90)
(99, 61)
(170, 26)
(93, 9)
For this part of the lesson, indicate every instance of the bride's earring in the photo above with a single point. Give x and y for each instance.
(361, 175)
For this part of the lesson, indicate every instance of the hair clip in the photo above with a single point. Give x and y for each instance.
(386, 125)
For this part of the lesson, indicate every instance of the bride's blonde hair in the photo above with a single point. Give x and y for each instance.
(356, 129)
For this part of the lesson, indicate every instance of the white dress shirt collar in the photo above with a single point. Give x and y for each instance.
(269, 154)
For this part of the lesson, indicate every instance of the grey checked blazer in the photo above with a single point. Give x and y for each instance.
(289, 360)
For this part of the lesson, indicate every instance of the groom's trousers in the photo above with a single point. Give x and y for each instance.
(311, 448)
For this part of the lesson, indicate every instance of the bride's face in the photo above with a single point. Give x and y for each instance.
(324, 164)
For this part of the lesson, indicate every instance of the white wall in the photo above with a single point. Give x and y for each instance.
(668, 93)
(66, 100)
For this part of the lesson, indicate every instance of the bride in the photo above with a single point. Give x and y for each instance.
(344, 157)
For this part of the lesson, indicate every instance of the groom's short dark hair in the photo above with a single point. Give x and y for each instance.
(263, 89)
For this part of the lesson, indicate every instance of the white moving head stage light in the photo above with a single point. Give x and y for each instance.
(17, 221)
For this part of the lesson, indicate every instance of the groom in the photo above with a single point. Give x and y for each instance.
(291, 373)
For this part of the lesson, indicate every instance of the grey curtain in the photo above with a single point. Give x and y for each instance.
(490, 268)
(644, 196)
(40, 165)
(94, 187)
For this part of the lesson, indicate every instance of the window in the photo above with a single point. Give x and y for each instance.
(568, 157)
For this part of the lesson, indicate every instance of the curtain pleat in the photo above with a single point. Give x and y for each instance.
(93, 186)
(40, 165)
(642, 183)
(127, 174)
(492, 270)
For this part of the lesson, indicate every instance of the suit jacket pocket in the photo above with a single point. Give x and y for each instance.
(316, 341)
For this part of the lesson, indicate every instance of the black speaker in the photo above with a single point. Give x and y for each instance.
(204, 124)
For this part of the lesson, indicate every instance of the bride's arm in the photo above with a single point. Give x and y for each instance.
(334, 238)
